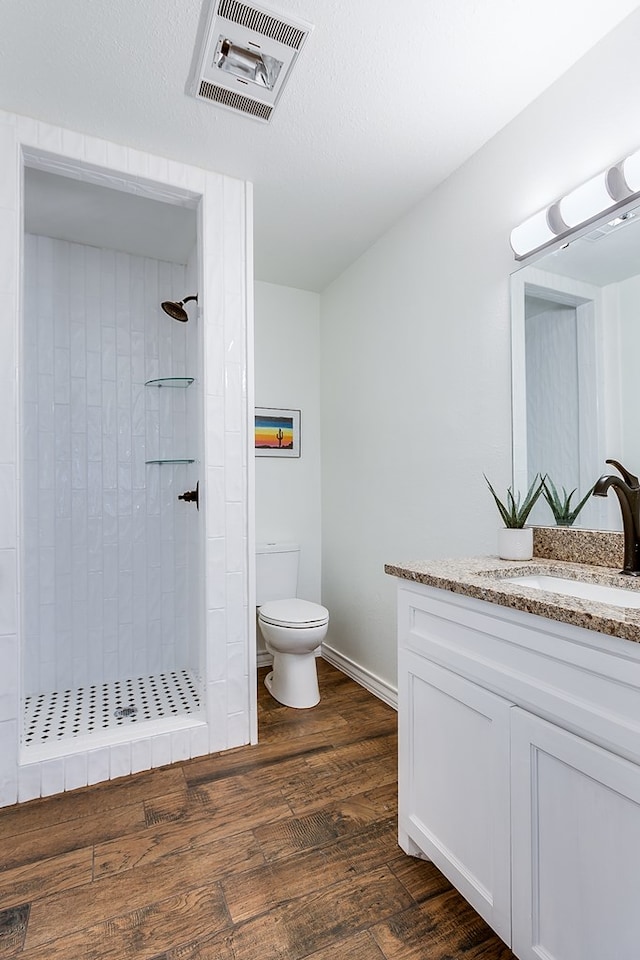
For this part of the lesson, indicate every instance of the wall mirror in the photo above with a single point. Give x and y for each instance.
(575, 317)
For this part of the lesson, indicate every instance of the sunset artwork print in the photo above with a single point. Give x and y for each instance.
(277, 432)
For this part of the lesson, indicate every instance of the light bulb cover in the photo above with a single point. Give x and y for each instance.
(586, 201)
(246, 64)
(631, 172)
(531, 234)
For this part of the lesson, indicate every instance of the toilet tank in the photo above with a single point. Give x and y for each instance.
(276, 571)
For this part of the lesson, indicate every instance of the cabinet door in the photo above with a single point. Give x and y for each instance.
(576, 846)
(454, 783)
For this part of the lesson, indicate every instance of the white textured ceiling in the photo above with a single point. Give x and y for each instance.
(386, 101)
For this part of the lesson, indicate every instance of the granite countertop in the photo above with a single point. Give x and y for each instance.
(483, 578)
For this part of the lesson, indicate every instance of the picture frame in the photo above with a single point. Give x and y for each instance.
(277, 432)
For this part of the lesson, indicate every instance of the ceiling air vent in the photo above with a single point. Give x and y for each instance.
(234, 101)
(245, 57)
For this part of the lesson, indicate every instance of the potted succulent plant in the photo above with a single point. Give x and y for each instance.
(515, 540)
(561, 505)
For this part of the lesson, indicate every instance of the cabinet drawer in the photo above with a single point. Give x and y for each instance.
(585, 681)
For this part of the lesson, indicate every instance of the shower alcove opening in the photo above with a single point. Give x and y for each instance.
(112, 562)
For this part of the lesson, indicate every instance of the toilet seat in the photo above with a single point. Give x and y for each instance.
(293, 613)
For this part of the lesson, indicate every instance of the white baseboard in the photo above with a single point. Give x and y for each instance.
(379, 688)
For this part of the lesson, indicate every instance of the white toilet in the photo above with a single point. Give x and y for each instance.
(293, 629)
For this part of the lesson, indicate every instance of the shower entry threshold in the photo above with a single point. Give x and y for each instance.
(109, 712)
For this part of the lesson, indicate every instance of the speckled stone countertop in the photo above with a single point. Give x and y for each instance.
(484, 579)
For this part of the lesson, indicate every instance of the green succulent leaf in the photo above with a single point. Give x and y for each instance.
(560, 504)
(514, 514)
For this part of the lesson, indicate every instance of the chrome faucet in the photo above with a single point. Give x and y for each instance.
(627, 491)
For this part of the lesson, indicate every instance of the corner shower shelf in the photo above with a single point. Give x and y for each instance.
(170, 461)
(170, 382)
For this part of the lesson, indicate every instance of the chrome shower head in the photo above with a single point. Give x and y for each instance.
(176, 309)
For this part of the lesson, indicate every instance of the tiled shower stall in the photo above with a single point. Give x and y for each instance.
(126, 633)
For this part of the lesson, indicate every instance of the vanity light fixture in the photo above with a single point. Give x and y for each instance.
(586, 201)
(532, 234)
(609, 190)
(631, 171)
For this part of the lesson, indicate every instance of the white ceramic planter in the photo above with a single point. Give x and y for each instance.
(515, 544)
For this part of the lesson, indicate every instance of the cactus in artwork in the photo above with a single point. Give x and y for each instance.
(280, 436)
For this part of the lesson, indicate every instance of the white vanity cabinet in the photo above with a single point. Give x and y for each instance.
(519, 771)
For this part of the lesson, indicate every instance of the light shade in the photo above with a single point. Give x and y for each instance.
(586, 201)
(531, 234)
(631, 172)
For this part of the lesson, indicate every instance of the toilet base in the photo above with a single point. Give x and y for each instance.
(294, 680)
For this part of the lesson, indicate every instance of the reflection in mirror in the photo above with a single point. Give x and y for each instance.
(575, 351)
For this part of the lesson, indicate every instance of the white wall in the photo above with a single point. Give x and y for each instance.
(416, 351)
(287, 374)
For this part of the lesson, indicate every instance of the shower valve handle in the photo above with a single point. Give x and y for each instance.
(191, 496)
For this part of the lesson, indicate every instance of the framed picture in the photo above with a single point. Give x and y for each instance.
(277, 432)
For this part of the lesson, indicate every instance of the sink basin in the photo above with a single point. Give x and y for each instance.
(597, 592)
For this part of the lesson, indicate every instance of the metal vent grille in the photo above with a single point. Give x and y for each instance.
(227, 98)
(262, 23)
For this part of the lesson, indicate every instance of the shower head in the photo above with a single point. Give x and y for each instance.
(176, 309)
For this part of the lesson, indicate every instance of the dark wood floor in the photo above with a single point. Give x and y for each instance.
(276, 852)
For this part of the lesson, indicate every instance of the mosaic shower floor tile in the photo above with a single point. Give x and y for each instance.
(60, 714)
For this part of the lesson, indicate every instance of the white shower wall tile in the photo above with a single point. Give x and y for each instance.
(9, 685)
(235, 488)
(214, 350)
(8, 514)
(234, 536)
(8, 769)
(233, 398)
(140, 755)
(8, 252)
(199, 741)
(7, 185)
(49, 137)
(73, 144)
(119, 760)
(216, 503)
(237, 694)
(75, 771)
(8, 352)
(29, 782)
(98, 765)
(236, 732)
(180, 746)
(223, 237)
(85, 431)
(161, 750)
(8, 594)
(218, 647)
(217, 714)
(7, 421)
(237, 614)
(215, 572)
(214, 432)
(52, 776)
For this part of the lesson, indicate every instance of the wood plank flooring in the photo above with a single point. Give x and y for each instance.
(282, 851)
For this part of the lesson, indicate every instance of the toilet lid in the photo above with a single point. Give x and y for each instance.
(294, 612)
